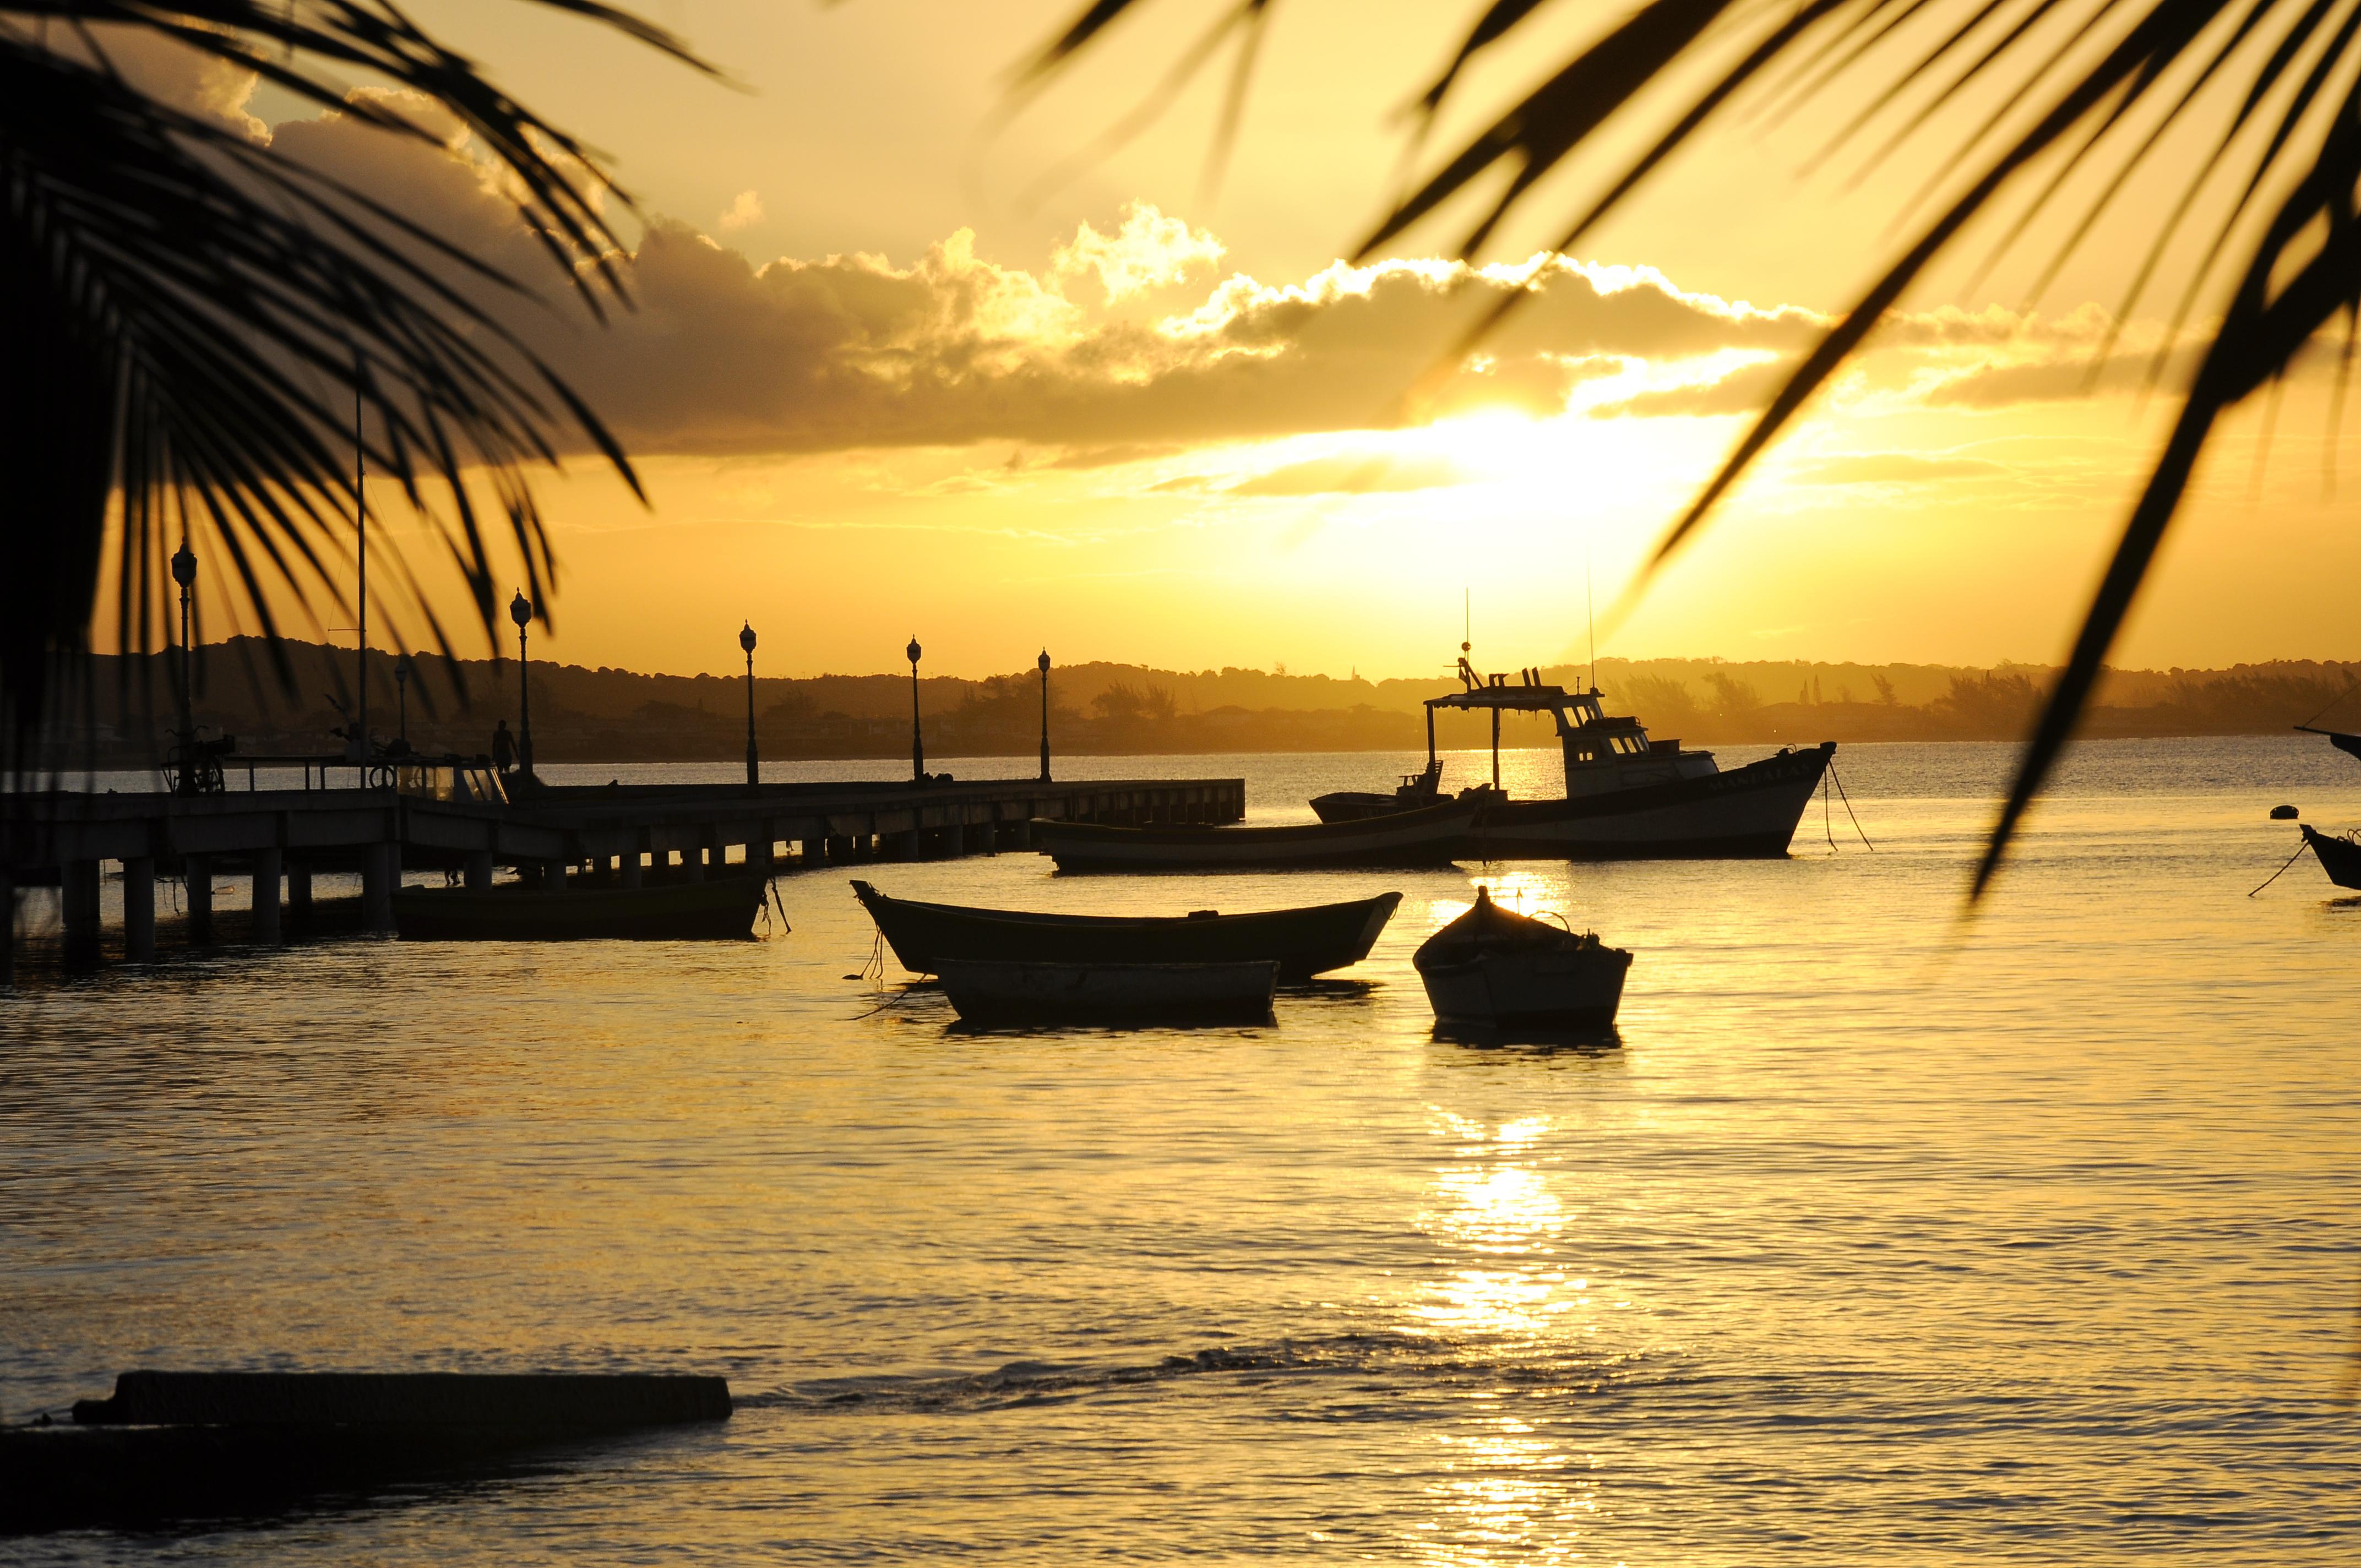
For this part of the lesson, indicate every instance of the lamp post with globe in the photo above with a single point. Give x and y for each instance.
(746, 640)
(184, 572)
(521, 611)
(918, 744)
(1044, 663)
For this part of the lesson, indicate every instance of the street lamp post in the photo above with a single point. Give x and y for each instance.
(184, 572)
(521, 611)
(401, 697)
(746, 640)
(917, 745)
(1044, 663)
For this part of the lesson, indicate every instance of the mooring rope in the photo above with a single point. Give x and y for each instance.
(2299, 849)
(1848, 804)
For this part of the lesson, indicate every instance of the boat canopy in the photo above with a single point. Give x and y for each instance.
(1585, 728)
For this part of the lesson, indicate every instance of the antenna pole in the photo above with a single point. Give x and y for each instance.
(1590, 615)
(360, 528)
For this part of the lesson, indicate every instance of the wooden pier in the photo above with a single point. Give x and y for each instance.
(620, 832)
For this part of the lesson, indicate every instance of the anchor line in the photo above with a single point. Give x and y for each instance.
(2291, 860)
(1847, 805)
(1825, 826)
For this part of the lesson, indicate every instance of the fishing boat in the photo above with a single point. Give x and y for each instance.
(1302, 942)
(1109, 993)
(1416, 790)
(2340, 855)
(1493, 968)
(1628, 795)
(1429, 836)
(720, 910)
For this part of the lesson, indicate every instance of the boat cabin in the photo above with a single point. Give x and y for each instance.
(1603, 751)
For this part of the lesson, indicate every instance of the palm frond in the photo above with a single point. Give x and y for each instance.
(2073, 80)
(206, 316)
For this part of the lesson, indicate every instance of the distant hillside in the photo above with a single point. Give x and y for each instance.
(119, 713)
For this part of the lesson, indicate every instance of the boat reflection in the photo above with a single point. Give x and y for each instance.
(1532, 1042)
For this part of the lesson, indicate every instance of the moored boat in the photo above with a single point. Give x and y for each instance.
(2340, 855)
(1495, 969)
(1302, 942)
(720, 910)
(1109, 993)
(1427, 837)
(1628, 795)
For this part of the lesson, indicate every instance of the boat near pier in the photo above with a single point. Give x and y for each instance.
(1628, 795)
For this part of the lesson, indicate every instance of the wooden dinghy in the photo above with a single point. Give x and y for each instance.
(1110, 993)
(720, 910)
(1495, 969)
(1302, 942)
(1429, 836)
(2339, 857)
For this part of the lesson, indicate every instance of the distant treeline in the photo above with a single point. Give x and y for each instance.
(118, 712)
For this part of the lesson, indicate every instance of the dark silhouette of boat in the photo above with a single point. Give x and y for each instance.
(720, 910)
(1415, 791)
(1627, 795)
(1302, 942)
(1430, 835)
(1495, 969)
(997, 994)
(2340, 855)
(2348, 744)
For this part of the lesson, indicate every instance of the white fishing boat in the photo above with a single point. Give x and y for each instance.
(1430, 836)
(1495, 969)
(1628, 795)
(1109, 993)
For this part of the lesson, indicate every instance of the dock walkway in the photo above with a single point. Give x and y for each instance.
(622, 832)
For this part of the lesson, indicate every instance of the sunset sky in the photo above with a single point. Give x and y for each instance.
(902, 363)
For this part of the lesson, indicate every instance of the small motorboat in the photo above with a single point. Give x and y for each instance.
(1416, 790)
(1495, 969)
(1302, 942)
(2340, 855)
(720, 910)
(1110, 993)
(1428, 836)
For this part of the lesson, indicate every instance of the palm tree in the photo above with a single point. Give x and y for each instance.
(189, 324)
(2083, 82)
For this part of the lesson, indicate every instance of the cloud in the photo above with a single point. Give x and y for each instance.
(1124, 342)
(1148, 251)
(1353, 476)
(744, 213)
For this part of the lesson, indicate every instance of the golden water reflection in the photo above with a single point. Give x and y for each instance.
(1504, 1300)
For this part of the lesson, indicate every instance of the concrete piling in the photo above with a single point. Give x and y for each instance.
(377, 889)
(268, 867)
(197, 890)
(79, 888)
(298, 892)
(139, 909)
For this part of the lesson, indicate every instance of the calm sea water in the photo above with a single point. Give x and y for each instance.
(1881, 1236)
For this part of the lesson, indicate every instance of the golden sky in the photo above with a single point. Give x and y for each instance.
(898, 366)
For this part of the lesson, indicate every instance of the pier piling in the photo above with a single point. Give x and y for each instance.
(197, 891)
(299, 892)
(139, 909)
(79, 901)
(479, 871)
(268, 867)
(377, 889)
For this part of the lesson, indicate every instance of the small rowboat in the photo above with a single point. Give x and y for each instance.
(1429, 836)
(1495, 969)
(2339, 857)
(720, 910)
(1110, 993)
(1302, 942)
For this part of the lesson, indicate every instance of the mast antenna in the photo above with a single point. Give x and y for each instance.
(1591, 614)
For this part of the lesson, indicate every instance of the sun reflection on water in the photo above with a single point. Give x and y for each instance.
(1504, 1298)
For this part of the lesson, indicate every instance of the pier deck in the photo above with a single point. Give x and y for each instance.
(623, 832)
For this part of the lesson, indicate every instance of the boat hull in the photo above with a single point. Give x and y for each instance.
(1544, 989)
(1747, 811)
(720, 910)
(1302, 942)
(1110, 993)
(2340, 857)
(1430, 835)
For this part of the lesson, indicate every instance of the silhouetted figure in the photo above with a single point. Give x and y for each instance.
(503, 747)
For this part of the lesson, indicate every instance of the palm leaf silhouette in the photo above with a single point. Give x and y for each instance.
(188, 322)
(2078, 80)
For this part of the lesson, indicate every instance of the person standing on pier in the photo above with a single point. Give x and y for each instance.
(503, 747)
